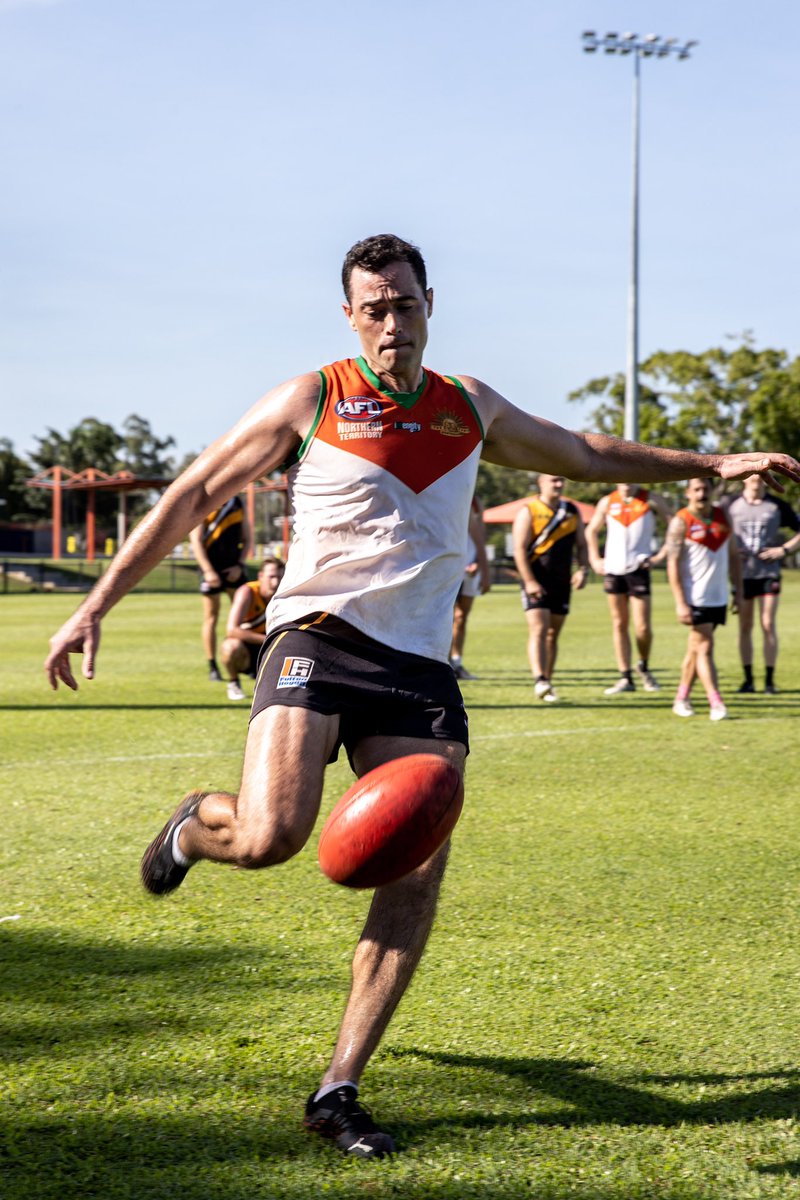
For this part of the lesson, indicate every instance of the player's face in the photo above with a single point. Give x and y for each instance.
(268, 580)
(389, 311)
(754, 488)
(698, 493)
(551, 488)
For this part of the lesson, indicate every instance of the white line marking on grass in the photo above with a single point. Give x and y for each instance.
(567, 731)
(16, 917)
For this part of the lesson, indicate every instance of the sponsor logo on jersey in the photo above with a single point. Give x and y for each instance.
(358, 408)
(409, 426)
(295, 672)
(449, 423)
(368, 429)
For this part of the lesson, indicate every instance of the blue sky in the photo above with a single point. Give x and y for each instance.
(182, 178)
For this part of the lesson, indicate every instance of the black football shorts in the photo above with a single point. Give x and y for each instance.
(635, 583)
(324, 664)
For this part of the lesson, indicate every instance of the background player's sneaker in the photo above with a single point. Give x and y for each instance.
(718, 712)
(769, 689)
(340, 1117)
(214, 675)
(159, 871)
(649, 682)
(461, 672)
(235, 691)
(542, 689)
(682, 708)
(551, 697)
(746, 689)
(622, 685)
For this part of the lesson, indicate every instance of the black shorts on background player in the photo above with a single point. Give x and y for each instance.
(635, 583)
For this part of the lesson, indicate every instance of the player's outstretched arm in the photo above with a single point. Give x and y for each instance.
(256, 445)
(517, 439)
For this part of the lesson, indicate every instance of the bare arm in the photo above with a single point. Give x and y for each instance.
(735, 572)
(477, 531)
(520, 537)
(661, 509)
(593, 536)
(517, 439)
(239, 608)
(256, 445)
(676, 536)
(580, 576)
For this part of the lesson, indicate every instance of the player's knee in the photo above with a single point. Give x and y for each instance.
(268, 847)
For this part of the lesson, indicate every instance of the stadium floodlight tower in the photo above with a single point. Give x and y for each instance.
(648, 46)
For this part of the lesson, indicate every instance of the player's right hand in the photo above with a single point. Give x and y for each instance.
(80, 635)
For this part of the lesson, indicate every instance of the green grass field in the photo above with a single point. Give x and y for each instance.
(608, 1007)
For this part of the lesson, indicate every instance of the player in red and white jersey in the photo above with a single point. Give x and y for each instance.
(384, 456)
(628, 516)
(702, 555)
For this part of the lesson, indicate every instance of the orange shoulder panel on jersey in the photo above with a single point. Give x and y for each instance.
(418, 437)
(712, 533)
(626, 512)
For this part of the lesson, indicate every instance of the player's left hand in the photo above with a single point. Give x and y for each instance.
(772, 553)
(739, 466)
(80, 635)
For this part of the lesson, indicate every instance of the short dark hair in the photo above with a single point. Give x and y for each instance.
(377, 252)
(272, 560)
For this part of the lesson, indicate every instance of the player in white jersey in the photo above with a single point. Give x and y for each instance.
(628, 515)
(476, 582)
(702, 554)
(382, 478)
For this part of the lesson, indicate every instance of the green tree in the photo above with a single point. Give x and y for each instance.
(14, 495)
(720, 401)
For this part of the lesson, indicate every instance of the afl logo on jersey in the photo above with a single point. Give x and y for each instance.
(358, 408)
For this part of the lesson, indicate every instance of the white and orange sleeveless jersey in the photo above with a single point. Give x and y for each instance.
(630, 525)
(704, 566)
(381, 491)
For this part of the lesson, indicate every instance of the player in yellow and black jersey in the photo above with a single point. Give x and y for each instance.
(548, 533)
(247, 625)
(219, 544)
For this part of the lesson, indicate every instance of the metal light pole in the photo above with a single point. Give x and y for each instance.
(640, 47)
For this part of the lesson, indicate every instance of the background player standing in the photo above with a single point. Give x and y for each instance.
(628, 514)
(757, 519)
(219, 543)
(701, 555)
(476, 582)
(547, 532)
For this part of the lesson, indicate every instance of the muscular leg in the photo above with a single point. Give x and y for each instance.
(396, 931)
(274, 813)
(556, 623)
(688, 667)
(618, 607)
(538, 625)
(703, 638)
(746, 632)
(460, 614)
(769, 612)
(209, 628)
(642, 627)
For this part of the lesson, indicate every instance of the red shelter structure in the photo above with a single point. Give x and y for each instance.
(59, 479)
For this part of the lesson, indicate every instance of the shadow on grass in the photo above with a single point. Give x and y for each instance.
(68, 992)
(594, 1099)
(783, 1168)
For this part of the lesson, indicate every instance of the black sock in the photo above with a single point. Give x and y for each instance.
(642, 665)
(770, 680)
(748, 673)
(627, 675)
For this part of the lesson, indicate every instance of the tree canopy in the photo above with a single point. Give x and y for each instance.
(722, 400)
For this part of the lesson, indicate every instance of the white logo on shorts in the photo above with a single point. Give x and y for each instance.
(295, 672)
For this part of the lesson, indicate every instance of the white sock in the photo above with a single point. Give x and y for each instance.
(331, 1087)
(177, 853)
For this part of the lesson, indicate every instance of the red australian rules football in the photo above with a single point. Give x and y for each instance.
(391, 821)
